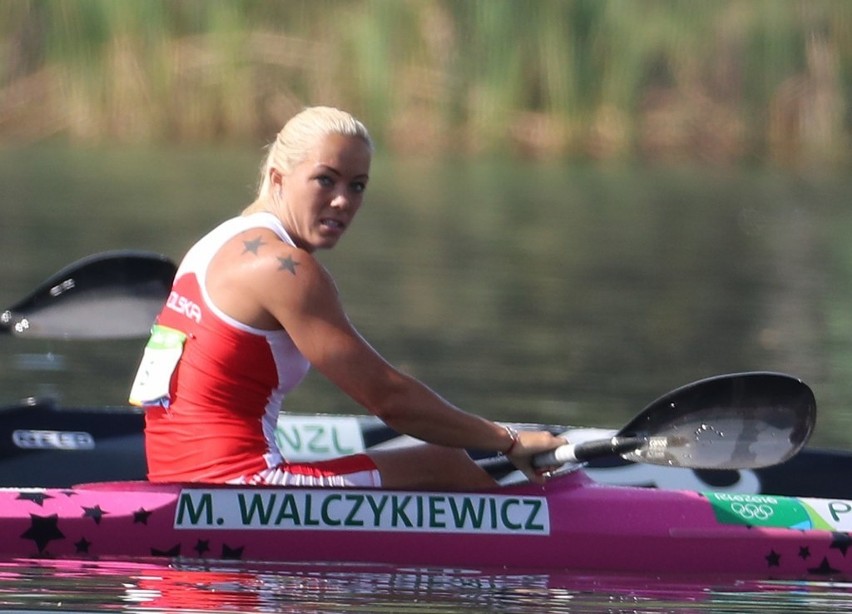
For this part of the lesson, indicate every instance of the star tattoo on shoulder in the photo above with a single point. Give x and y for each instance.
(287, 264)
(253, 245)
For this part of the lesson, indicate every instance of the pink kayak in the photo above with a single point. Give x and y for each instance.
(571, 524)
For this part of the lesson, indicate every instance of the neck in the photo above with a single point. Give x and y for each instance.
(261, 204)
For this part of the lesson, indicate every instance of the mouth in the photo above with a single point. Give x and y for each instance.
(332, 224)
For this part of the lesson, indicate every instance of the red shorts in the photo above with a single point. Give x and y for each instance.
(357, 470)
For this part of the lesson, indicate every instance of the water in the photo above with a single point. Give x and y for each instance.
(525, 292)
(147, 587)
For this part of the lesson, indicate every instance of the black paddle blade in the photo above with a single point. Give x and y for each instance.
(738, 421)
(108, 295)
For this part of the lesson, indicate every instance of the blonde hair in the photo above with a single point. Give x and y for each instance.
(301, 133)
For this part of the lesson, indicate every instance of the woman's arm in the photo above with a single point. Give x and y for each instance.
(284, 286)
(304, 300)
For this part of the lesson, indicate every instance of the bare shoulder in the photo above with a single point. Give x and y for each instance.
(258, 253)
(258, 278)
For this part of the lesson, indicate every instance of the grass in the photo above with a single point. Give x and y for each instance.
(729, 81)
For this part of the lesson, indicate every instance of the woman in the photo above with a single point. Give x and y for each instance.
(251, 310)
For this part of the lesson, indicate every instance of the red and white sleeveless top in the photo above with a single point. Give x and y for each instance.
(222, 382)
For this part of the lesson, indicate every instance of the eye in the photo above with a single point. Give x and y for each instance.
(325, 181)
(359, 186)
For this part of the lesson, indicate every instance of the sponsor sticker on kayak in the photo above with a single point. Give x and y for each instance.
(52, 440)
(311, 438)
(782, 512)
(354, 510)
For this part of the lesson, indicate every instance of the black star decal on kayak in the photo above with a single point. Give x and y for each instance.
(253, 245)
(232, 553)
(804, 553)
(773, 559)
(43, 529)
(287, 264)
(36, 497)
(172, 552)
(82, 546)
(95, 513)
(141, 516)
(841, 541)
(202, 546)
(824, 569)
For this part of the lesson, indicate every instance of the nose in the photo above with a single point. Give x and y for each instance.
(340, 200)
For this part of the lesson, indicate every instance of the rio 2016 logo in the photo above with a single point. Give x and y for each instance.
(760, 510)
(752, 511)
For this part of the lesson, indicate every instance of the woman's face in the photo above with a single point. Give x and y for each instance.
(321, 195)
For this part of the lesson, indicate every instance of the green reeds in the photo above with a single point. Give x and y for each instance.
(722, 81)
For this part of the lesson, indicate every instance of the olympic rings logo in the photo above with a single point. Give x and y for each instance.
(752, 511)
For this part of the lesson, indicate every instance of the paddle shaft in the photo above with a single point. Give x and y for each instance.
(586, 451)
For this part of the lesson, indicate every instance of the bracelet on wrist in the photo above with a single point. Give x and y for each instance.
(514, 435)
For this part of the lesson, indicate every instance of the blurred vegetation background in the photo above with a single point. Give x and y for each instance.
(723, 82)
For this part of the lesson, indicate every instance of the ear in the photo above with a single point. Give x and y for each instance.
(276, 178)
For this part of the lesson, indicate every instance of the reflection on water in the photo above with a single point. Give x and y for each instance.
(147, 587)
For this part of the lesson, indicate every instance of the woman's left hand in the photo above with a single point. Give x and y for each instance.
(529, 444)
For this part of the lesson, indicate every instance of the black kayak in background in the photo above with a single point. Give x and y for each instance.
(45, 444)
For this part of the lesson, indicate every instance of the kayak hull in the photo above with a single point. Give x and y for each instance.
(570, 524)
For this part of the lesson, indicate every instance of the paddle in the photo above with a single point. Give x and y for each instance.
(109, 295)
(737, 421)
